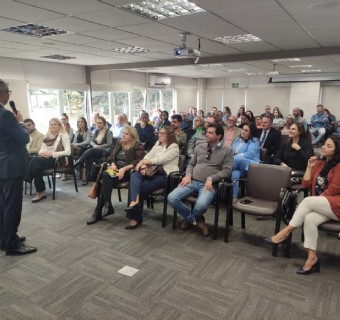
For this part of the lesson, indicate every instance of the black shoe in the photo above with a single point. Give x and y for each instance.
(21, 250)
(78, 164)
(108, 209)
(94, 219)
(129, 226)
(270, 241)
(21, 239)
(314, 268)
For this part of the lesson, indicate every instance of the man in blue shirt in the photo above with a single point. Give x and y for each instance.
(318, 123)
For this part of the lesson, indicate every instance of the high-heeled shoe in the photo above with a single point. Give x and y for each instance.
(132, 209)
(314, 268)
(270, 241)
(129, 226)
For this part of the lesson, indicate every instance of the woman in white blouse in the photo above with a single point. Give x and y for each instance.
(55, 144)
(165, 153)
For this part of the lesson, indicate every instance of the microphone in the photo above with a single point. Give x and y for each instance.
(12, 105)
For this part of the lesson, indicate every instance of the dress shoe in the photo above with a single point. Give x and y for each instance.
(314, 268)
(21, 239)
(185, 225)
(201, 226)
(129, 226)
(21, 250)
(94, 219)
(38, 198)
(108, 209)
(270, 241)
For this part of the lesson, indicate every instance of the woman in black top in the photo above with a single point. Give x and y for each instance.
(82, 138)
(296, 151)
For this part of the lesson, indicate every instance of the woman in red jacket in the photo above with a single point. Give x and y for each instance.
(323, 177)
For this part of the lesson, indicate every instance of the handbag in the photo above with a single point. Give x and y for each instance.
(93, 192)
(152, 170)
(96, 170)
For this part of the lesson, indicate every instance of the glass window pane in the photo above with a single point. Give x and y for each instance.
(43, 106)
(168, 100)
(137, 104)
(100, 103)
(119, 103)
(74, 106)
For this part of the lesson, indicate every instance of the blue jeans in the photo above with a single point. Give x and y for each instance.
(204, 199)
(240, 169)
(321, 131)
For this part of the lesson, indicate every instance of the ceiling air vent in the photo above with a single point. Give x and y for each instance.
(58, 57)
(35, 30)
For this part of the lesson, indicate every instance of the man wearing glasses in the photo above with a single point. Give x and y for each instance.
(211, 162)
(14, 161)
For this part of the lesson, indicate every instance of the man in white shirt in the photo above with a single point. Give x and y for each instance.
(118, 128)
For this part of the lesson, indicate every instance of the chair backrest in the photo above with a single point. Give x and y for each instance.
(265, 181)
(181, 163)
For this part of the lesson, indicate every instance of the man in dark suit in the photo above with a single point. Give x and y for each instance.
(270, 138)
(14, 160)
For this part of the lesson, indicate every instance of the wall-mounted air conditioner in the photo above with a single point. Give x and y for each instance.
(159, 81)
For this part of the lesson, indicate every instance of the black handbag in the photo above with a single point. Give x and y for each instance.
(96, 169)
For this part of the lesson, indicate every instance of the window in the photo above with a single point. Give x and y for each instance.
(100, 103)
(74, 103)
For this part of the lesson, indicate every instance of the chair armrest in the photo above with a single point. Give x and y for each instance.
(173, 180)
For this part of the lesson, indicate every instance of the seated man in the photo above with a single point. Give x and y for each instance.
(231, 132)
(210, 163)
(318, 123)
(145, 131)
(36, 137)
(176, 121)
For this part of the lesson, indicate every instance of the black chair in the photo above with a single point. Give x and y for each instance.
(66, 168)
(224, 194)
(267, 186)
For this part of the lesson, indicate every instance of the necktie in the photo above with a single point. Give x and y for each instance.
(264, 136)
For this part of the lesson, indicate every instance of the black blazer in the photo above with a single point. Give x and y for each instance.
(13, 140)
(272, 143)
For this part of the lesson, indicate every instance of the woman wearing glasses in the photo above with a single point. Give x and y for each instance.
(165, 153)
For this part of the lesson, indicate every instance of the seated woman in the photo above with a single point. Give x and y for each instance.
(55, 144)
(296, 151)
(165, 153)
(65, 120)
(278, 121)
(82, 137)
(127, 153)
(101, 141)
(246, 151)
(323, 177)
(288, 123)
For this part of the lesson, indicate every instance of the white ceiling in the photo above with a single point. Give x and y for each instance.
(288, 28)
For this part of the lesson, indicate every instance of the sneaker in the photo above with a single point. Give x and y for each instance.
(185, 225)
(201, 226)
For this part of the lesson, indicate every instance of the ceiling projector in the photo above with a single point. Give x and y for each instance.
(187, 53)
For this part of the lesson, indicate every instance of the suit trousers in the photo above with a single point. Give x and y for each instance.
(10, 211)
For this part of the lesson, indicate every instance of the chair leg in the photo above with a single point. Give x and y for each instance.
(174, 220)
(75, 181)
(229, 216)
(243, 220)
(165, 206)
(31, 186)
(217, 213)
(277, 229)
(119, 196)
(25, 186)
(287, 247)
(151, 201)
(49, 182)
(53, 185)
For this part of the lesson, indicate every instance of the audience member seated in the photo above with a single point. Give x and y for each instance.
(241, 112)
(117, 128)
(278, 121)
(298, 117)
(95, 116)
(82, 137)
(165, 120)
(246, 151)
(145, 131)
(101, 145)
(323, 177)
(331, 121)
(36, 138)
(200, 113)
(226, 114)
(56, 144)
(231, 132)
(165, 153)
(67, 126)
(318, 123)
(296, 151)
(270, 138)
(210, 163)
(244, 120)
(267, 112)
(289, 121)
(199, 135)
(181, 137)
(157, 119)
(258, 122)
(186, 125)
(125, 156)
(219, 119)
(250, 116)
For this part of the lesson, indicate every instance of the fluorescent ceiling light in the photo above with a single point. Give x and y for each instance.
(236, 70)
(35, 30)
(160, 9)
(131, 50)
(253, 73)
(309, 70)
(211, 65)
(237, 39)
(302, 66)
(286, 60)
(272, 73)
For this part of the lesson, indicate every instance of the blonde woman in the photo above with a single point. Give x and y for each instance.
(55, 144)
(125, 156)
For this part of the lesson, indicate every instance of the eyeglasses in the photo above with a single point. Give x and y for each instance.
(209, 152)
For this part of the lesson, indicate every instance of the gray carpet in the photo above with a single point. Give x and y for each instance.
(182, 275)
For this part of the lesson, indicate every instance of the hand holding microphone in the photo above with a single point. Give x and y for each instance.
(16, 113)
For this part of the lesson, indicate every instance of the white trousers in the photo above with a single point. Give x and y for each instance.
(310, 213)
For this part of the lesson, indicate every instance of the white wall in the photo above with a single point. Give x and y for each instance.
(330, 98)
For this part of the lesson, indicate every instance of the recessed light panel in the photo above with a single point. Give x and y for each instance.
(35, 30)
(286, 60)
(237, 39)
(130, 50)
(302, 66)
(160, 9)
(310, 71)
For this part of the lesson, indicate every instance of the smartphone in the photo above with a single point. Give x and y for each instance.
(246, 201)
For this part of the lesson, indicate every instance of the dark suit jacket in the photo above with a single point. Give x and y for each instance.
(13, 140)
(272, 143)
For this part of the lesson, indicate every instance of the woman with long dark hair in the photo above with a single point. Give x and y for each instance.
(82, 137)
(246, 151)
(166, 154)
(322, 176)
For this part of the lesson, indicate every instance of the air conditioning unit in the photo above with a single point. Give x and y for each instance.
(159, 81)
